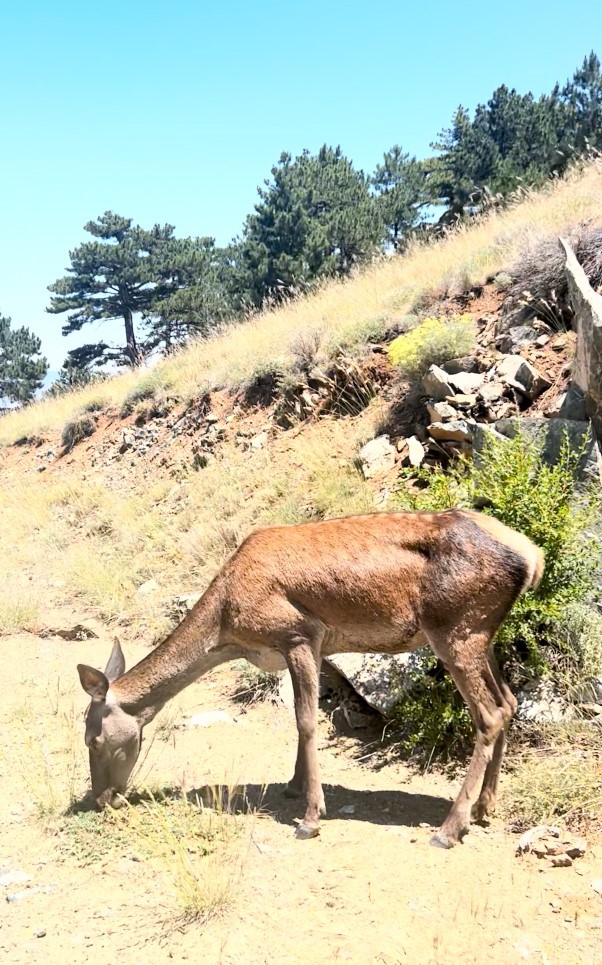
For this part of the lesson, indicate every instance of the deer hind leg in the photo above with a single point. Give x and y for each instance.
(469, 663)
(485, 805)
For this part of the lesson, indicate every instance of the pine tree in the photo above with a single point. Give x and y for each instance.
(583, 98)
(22, 367)
(316, 217)
(400, 183)
(127, 272)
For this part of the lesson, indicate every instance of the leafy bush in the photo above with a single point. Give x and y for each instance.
(432, 342)
(545, 504)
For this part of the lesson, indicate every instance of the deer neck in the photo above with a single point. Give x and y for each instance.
(189, 652)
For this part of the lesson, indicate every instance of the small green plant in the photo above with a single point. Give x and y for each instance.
(545, 503)
(502, 281)
(254, 684)
(432, 342)
(76, 430)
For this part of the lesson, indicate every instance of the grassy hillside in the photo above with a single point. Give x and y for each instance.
(93, 528)
(341, 315)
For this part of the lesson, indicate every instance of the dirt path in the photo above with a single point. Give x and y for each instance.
(368, 890)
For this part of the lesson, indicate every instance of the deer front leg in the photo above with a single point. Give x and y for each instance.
(303, 666)
(297, 785)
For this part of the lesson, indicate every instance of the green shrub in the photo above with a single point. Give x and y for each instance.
(545, 503)
(432, 342)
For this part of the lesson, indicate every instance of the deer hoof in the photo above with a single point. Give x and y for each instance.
(305, 831)
(441, 841)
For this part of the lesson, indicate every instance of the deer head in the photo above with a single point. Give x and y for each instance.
(113, 736)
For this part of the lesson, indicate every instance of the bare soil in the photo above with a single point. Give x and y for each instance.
(369, 889)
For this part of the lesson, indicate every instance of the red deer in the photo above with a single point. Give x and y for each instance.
(385, 583)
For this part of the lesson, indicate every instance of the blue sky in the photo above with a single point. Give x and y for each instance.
(175, 112)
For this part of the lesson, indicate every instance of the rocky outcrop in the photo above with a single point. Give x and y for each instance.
(380, 679)
(587, 368)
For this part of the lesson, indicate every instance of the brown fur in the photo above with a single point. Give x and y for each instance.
(384, 582)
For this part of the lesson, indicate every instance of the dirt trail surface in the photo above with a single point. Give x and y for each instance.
(368, 890)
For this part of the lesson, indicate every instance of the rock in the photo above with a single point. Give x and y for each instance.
(128, 440)
(456, 431)
(208, 718)
(539, 701)
(516, 371)
(555, 407)
(528, 840)
(347, 809)
(576, 849)
(491, 392)
(437, 384)
(377, 456)
(467, 382)
(40, 933)
(561, 861)
(416, 451)
(468, 363)
(573, 404)
(441, 411)
(507, 410)
(463, 401)
(15, 877)
(550, 434)
(517, 337)
(145, 589)
(380, 679)
(587, 306)
(258, 441)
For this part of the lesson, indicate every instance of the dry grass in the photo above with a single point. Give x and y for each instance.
(98, 546)
(340, 315)
(44, 756)
(560, 778)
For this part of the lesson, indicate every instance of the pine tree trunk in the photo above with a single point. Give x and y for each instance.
(132, 352)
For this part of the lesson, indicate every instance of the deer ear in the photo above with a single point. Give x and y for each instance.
(116, 663)
(93, 681)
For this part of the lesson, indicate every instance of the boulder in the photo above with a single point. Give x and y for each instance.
(491, 392)
(377, 456)
(539, 701)
(437, 384)
(587, 369)
(456, 431)
(380, 679)
(573, 404)
(468, 363)
(441, 411)
(517, 337)
(550, 434)
(467, 382)
(416, 451)
(514, 370)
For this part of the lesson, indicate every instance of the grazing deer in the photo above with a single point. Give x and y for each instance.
(385, 583)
